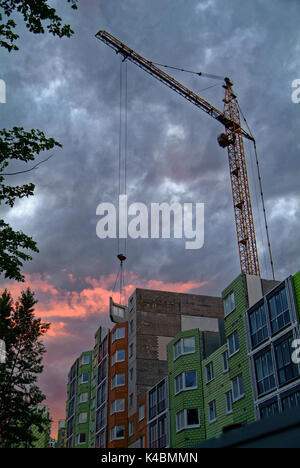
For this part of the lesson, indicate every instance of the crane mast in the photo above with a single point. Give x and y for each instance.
(232, 139)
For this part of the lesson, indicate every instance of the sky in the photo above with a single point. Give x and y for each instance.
(70, 89)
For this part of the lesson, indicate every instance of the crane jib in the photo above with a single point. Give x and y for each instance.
(159, 74)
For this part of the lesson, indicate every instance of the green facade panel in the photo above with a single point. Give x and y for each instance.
(296, 279)
(216, 391)
(243, 410)
(187, 399)
(84, 407)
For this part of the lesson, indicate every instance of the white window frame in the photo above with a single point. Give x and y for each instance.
(84, 382)
(141, 412)
(85, 356)
(185, 426)
(114, 383)
(117, 406)
(212, 421)
(81, 400)
(182, 378)
(85, 419)
(181, 347)
(209, 369)
(229, 304)
(78, 439)
(236, 350)
(118, 334)
(239, 378)
(115, 359)
(113, 433)
(225, 359)
(229, 394)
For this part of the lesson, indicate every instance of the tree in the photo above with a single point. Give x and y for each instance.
(35, 13)
(20, 396)
(21, 145)
(17, 143)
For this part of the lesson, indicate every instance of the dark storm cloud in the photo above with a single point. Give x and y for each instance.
(70, 89)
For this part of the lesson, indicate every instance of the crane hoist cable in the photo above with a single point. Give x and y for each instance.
(262, 197)
(123, 143)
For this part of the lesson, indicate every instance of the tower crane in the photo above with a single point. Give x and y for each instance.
(232, 139)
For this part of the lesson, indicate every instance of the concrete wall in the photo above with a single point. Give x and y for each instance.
(160, 316)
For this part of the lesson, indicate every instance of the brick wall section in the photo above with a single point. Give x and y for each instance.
(118, 419)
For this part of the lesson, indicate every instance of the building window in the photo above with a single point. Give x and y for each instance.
(158, 433)
(184, 346)
(101, 394)
(279, 311)
(269, 410)
(82, 418)
(229, 402)
(258, 326)
(142, 442)
(131, 326)
(83, 397)
(291, 401)
(265, 374)
(103, 349)
(212, 412)
(84, 378)
(229, 304)
(101, 440)
(101, 418)
(187, 419)
(131, 400)
(186, 381)
(102, 371)
(141, 412)
(131, 373)
(131, 350)
(118, 334)
(117, 433)
(152, 404)
(225, 362)
(117, 406)
(161, 397)
(238, 388)
(209, 372)
(287, 370)
(118, 356)
(233, 344)
(118, 381)
(85, 359)
(131, 429)
(81, 438)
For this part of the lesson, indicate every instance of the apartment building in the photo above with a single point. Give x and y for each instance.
(78, 407)
(272, 325)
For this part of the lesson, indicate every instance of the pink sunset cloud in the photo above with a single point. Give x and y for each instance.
(75, 315)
